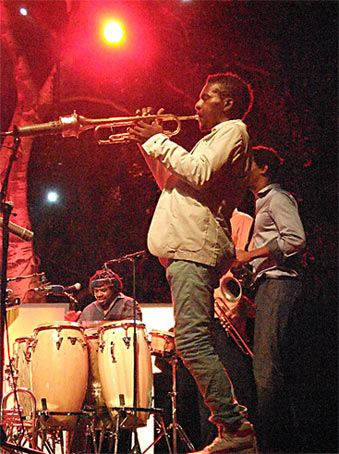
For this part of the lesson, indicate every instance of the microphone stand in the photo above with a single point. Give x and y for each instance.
(136, 448)
(132, 258)
(6, 208)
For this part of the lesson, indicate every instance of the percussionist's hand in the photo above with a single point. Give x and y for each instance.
(72, 316)
(145, 129)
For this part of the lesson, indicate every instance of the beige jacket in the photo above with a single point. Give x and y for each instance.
(200, 190)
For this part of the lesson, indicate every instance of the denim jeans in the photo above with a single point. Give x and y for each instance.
(275, 303)
(192, 286)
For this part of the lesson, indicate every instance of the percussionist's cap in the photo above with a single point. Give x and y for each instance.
(105, 277)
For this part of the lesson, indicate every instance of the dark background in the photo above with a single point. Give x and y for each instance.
(286, 50)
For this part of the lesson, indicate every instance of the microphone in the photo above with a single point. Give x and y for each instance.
(49, 288)
(134, 255)
(58, 288)
(73, 288)
(68, 126)
(24, 234)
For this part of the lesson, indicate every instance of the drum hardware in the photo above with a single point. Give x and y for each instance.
(59, 341)
(33, 345)
(161, 429)
(163, 344)
(175, 426)
(112, 353)
(122, 418)
(73, 340)
(19, 428)
(127, 341)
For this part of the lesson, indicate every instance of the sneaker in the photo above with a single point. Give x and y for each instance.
(241, 440)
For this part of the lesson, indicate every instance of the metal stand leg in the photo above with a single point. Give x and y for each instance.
(176, 428)
(161, 424)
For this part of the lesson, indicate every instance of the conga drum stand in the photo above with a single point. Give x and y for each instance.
(121, 418)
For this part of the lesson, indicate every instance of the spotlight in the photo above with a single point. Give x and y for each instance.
(113, 32)
(23, 11)
(52, 197)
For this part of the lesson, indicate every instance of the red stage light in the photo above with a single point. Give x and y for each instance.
(113, 32)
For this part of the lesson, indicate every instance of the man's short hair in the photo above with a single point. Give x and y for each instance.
(105, 277)
(236, 88)
(267, 156)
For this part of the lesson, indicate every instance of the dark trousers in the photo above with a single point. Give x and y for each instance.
(276, 425)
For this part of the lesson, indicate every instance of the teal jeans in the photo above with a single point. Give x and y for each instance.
(192, 287)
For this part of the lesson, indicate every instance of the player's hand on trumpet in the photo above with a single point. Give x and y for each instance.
(146, 128)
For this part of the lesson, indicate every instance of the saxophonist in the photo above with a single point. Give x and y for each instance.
(278, 238)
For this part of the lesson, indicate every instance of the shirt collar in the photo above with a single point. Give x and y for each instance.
(220, 125)
(264, 191)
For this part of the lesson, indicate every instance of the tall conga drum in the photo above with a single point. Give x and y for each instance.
(22, 368)
(59, 367)
(94, 398)
(116, 369)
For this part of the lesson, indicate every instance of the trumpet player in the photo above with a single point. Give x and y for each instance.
(190, 233)
(278, 237)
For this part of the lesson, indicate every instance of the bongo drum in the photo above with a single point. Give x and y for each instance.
(162, 343)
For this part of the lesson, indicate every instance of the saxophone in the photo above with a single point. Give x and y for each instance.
(231, 288)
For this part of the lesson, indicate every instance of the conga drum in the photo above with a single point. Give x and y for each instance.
(22, 368)
(59, 366)
(94, 399)
(116, 369)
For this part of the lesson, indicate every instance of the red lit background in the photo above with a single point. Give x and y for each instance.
(286, 50)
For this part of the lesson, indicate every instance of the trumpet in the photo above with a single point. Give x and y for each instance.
(125, 122)
(73, 125)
